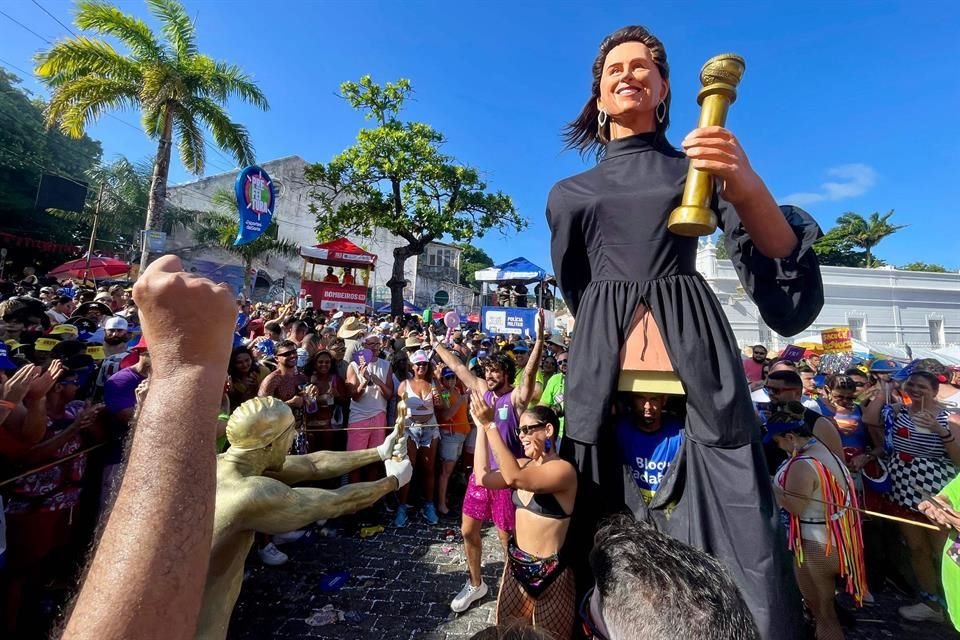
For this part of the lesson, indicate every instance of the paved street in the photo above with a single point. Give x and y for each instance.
(401, 583)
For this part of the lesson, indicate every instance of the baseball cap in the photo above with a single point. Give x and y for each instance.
(116, 322)
(884, 366)
(6, 363)
(45, 344)
(448, 373)
(419, 357)
(141, 345)
(65, 329)
(521, 348)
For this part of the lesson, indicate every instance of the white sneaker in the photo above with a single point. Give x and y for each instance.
(921, 612)
(271, 556)
(468, 595)
(288, 537)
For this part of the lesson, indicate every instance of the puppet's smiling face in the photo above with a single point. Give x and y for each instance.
(631, 84)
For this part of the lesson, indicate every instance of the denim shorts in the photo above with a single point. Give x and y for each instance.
(451, 446)
(422, 436)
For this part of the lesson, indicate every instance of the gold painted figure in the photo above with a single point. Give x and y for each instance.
(720, 77)
(254, 494)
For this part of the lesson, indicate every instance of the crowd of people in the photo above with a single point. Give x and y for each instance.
(484, 422)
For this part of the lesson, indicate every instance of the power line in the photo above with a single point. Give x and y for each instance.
(55, 18)
(17, 22)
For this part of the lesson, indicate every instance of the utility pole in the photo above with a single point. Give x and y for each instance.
(93, 232)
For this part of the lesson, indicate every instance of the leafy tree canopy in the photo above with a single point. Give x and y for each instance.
(396, 177)
(472, 259)
(27, 150)
(924, 266)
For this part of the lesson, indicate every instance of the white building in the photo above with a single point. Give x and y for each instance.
(437, 269)
(883, 307)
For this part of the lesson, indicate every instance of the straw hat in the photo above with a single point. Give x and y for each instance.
(351, 328)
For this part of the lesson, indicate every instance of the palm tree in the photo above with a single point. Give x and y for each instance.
(219, 228)
(177, 89)
(867, 233)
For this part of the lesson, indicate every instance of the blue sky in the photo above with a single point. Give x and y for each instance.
(845, 106)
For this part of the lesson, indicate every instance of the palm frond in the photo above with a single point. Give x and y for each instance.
(82, 100)
(153, 119)
(80, 56)
(109, 20)
(234, 82)
(230, 136)
(177, 27)
(189, 141)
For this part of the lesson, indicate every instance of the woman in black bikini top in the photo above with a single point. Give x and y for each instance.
(537, 586)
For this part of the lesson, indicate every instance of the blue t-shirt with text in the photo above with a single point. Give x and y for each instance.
(649, 455)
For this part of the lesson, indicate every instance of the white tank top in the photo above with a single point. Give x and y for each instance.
(372, 401)
(418, 406)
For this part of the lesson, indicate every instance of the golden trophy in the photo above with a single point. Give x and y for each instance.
(719, 76)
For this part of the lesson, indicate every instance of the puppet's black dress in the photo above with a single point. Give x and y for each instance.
(611, 252)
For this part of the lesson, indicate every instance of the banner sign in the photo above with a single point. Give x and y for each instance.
(256, 199)
(837, 340)
(343, 298)
(793, 353)
(508, 321)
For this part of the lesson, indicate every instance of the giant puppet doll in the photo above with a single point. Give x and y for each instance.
(630, 279)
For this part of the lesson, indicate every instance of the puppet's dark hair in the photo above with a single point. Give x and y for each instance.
(584, 133)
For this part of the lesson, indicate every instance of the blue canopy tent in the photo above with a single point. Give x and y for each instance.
(408, 307)
(516, 270)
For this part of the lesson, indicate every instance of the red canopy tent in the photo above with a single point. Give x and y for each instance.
(98, 269)
(336, 296)
(338, 253)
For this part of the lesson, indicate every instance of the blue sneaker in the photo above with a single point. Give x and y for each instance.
(401, 519)
(430, 513)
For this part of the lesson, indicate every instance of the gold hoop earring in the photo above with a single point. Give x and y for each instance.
(661, 111)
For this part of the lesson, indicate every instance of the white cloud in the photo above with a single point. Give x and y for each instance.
(849, 181)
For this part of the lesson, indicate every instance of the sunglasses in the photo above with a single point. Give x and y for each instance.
(840, 396)
(420, 364)
(287, 354)
(561, 363)
(590, 629)
(524, 430)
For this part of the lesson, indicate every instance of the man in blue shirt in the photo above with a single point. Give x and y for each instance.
(649, 441)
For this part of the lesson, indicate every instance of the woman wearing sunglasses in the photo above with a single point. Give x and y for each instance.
(538, 586)
(840, 404)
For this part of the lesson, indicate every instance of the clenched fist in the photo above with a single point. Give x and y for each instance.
(188, 321)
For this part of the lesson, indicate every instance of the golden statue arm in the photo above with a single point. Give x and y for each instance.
(277, 508)
(322, 465)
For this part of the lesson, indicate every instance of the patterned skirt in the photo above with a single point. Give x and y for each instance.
(915, 479)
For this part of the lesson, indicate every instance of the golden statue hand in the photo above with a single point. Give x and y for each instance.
(390, 444)
(402, 470)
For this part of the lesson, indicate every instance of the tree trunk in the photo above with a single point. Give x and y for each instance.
(158, 184)
(397, 281)
(247, 266)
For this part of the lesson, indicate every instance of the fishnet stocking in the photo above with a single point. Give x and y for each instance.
(817, 580)
(553, 612)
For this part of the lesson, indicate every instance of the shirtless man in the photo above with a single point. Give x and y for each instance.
(254, 495)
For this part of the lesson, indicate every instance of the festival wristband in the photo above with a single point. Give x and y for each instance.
(223, 416)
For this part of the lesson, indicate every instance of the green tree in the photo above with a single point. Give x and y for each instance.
(27, 151)
(219, 228)
(836, 249)
(867, 233)
(472, 259)
(924, 266)
(125, 199)
(178, 90)
(395, 177)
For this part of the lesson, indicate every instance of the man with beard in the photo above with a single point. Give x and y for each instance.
(753, 366)
(481, 504)
(116, 336)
